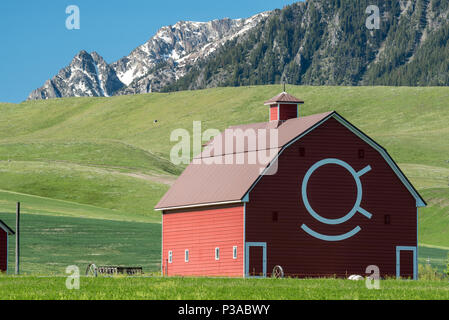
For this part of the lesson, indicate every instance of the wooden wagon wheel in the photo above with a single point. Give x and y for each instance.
(92, 270)
(278, 272)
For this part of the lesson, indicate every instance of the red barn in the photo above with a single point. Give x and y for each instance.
(329, 201)
(4, 232)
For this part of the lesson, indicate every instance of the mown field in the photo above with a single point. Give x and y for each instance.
(212, 289)
(89, 171)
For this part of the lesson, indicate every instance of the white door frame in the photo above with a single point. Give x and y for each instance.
(264, 258)
(398, 261)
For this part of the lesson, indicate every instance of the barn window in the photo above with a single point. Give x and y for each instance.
(234, 252)
(217, 253)
(186, 255)
(302, 152)
(361, 153)
(170, 256)
(275, 216)
(387, 219)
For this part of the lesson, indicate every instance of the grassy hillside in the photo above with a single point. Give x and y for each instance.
(37, 205)
(109, 156)
(100, 187)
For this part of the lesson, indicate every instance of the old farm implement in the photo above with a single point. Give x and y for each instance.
(93, 270)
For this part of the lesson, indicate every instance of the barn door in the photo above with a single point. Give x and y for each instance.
(406, 263)
(256, 259)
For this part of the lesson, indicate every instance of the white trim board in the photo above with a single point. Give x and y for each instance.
(280, 102)
(398, 260)
(7, 253)
(244, 239)
(199, 205)
(7, 229)
(264, 258)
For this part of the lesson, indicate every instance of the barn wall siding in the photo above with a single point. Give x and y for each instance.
(200, 231)
(287, 111)
(3, 251)
(273, 113)
(331, 192)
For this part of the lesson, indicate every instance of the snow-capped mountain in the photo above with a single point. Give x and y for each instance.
(87, 75)
(160, 61)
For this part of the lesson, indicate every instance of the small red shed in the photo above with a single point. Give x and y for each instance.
(5, 231)
(329, 201)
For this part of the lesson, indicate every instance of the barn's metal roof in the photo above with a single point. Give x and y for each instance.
(218, 183)
(5, 228)
(209, 184)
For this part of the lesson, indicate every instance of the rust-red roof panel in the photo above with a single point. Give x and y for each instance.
(214, 183)
(287, 131)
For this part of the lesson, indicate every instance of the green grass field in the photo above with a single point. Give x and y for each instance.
(436, 257)
(51, 243)
(52, 207)
(88, 171)
(212, 289)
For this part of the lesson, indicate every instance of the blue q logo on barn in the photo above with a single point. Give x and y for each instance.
(356, 208)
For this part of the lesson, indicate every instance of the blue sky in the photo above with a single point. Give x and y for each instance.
(35, 43)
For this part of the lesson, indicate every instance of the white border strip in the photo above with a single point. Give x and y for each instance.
(200, 205)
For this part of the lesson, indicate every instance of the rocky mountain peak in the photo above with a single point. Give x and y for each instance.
(162, 60)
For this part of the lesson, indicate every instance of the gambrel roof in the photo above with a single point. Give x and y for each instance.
(212, 184)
